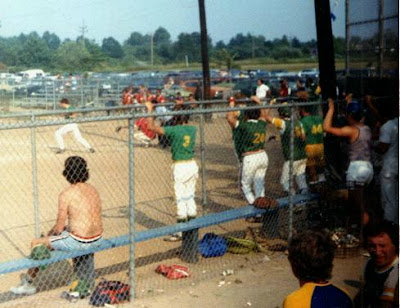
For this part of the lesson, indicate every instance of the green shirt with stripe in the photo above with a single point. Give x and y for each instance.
(237, 137)
(312, 125)
(251, 135)
(285, 126)
(182, 139)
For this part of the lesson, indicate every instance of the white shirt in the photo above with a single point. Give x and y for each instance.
(389, 134)
(261, 91)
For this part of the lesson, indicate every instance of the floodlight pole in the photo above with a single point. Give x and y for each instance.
(204, 51)
(326, 55)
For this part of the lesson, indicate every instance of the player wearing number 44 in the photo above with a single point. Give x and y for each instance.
(185, 170)
(284, 126)
(249, 138)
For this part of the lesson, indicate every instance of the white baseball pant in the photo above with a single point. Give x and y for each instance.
(254, 167)
(72, 127)
(185, 174)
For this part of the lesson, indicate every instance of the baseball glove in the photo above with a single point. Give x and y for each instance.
(265, 203)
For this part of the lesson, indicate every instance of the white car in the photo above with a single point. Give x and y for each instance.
(309, 72)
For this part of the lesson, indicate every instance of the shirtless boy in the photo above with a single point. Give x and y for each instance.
(78, 225)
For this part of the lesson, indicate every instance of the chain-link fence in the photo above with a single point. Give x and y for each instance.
(372, 37)
(132, 174)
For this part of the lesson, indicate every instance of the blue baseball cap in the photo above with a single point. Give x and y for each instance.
(354, 107)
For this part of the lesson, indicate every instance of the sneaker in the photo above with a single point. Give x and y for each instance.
(25, 288)
(174, 237)
(91, 150)
(60, 151)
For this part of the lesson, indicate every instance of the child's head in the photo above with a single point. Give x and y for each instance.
(311, 256)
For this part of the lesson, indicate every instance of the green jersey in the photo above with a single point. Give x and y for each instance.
(251, 135)
(284, 127)
(236, 136)
(182, 139)
(312, 125)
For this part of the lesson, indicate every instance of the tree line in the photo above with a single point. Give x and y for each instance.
(49, 52)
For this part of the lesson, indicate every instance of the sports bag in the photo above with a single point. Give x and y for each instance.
(110, 292)
(212, 245)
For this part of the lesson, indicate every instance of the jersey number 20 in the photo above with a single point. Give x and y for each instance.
(259, 138)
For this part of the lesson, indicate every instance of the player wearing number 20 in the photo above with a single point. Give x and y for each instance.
(250, 133)
(185, 170)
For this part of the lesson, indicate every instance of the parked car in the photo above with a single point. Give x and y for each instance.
(216, 91)
(309, 72)
(245, 86)
(173, 91)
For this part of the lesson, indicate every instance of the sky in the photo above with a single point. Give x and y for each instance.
(119, 18)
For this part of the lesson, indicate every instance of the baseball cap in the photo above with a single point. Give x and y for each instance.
(353, 107)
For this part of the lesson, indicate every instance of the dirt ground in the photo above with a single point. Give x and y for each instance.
(31, 181)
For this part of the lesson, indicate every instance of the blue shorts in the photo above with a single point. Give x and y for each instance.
(67, 242)
(359, 173)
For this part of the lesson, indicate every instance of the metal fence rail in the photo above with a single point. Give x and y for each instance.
(134, 181)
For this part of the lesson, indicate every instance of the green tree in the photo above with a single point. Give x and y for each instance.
(135, 39)
(188, 44)
(35, 51)
(226, 57)
(161, 36)
(72, 55)
(52, 40)
(112, 48)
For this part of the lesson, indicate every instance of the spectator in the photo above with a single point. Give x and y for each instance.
(285, 91)
(381, 272)
(79, 205)
(67, 128)
(360, 171)
(159, 97)
(313, 89)
(182, 138)
(262, 90)
(311, 256)
(127, 97)
(284, 126)
(143, 134)
(312, 126)
(388, 146)
(249, 138)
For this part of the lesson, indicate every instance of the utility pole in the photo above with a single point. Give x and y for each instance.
(151, 49)
(204, 51)
(83, 30)
(252, 47)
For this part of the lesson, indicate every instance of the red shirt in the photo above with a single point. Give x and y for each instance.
(160, 99)
(127, 98)
(141, 124)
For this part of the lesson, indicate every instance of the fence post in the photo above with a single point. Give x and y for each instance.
(291, 182)
(34, 180)
(131, 208)
(202, 161)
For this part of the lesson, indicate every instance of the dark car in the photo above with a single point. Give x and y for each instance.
(245, 86)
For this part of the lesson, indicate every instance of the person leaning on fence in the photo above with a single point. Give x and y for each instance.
(311, 255)
(284, 126)
(249, 139)
(71, 127)
(381, 272)
(79, 205)
(182, 138)
(312, 126)
(360, 171)
(388, 147)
